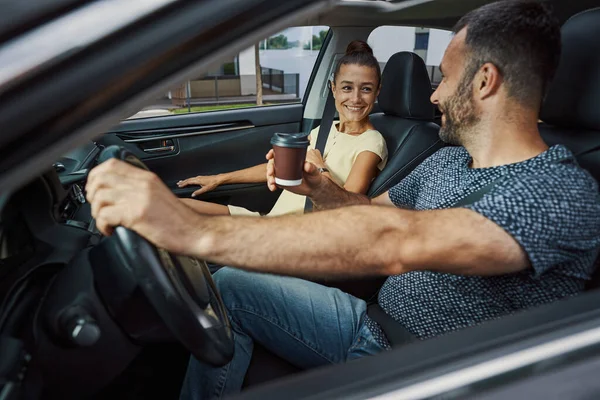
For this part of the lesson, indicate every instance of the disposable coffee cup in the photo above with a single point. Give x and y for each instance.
(290, 154)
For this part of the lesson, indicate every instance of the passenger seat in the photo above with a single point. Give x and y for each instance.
(407, 125)
(406, 122)
(571, 111)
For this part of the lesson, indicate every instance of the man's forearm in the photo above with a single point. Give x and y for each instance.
(329, 196)
(314, 245)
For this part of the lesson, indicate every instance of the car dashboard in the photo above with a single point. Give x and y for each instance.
(56, 332)
(72, 171)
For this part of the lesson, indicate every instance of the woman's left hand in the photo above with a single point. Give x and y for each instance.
(314, 156)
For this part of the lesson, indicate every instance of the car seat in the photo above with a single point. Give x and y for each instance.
(406, 120)
(406, 123)
(570, 113)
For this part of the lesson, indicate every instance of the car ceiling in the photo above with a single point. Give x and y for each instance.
(18, 15)
(442, 14)
(356, 13)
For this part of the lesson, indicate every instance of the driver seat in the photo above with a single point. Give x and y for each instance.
(570, 112)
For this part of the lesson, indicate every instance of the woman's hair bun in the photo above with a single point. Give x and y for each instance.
(360, 53)
(358, 47)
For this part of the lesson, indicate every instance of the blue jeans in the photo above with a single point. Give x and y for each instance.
(302, 322)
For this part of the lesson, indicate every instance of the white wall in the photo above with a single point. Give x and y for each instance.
(247, 67)
(387, 40)
(438, 41)
(291, 61)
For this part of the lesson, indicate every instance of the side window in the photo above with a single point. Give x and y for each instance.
(429, 44)
(285, 61)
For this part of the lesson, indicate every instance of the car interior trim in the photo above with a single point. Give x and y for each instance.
(55, 39)
(181, 135)
(497, 367)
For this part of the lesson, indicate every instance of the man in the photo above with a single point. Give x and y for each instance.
(530, 240)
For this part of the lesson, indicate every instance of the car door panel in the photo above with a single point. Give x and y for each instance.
(181, 146)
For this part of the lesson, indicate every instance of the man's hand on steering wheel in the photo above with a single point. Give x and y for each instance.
(121, 194)
(151, 230)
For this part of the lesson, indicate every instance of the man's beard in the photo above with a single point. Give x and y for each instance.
(460, 114)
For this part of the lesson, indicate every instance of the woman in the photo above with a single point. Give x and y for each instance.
(354, 153)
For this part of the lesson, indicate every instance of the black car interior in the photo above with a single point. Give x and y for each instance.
(406, 120)
(82, 320)
(570, 118)
(202, 144)
(570, 111)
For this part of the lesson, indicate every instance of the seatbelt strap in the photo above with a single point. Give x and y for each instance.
(397, 335)
(326, 122)
(324, 129)
(588, 151)
(477, 195)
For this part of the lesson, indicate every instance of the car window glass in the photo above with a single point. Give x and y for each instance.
(285, 60)
(429, 44)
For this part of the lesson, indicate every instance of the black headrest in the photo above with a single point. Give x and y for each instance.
(573, 99)
(406, 88)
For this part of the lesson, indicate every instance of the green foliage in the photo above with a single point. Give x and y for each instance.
(317, 41)
(323, 35)
(278, 42)
(229, 68)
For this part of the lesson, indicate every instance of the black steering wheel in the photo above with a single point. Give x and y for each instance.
(180, 289)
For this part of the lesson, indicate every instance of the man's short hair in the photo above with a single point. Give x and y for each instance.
(521, 38)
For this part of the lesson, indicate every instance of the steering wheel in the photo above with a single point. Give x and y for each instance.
(180, 289)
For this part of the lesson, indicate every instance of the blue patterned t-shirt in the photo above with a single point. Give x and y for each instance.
(548, 204)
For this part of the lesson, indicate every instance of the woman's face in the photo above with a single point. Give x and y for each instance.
(355, 90)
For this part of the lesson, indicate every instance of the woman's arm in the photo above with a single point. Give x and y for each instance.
(256, 174)
(363, 171)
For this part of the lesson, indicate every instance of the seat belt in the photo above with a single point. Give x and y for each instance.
(324, 129)
(476, 195)
(396, 333)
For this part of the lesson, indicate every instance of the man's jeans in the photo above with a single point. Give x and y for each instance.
(303, 322)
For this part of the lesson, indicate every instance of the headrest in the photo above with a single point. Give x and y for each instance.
(406, 88)
(573, 99)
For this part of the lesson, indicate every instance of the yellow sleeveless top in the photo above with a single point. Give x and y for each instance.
(339, 155)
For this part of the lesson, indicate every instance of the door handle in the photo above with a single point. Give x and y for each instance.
(158, 146)
(157, 150)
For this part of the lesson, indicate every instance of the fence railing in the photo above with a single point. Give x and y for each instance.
(277, 81)
(222, 89)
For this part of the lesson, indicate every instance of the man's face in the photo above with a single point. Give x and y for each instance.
(454, 95)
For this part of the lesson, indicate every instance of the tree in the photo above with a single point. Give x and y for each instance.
(278, 42)
(258, 71)
(323, 35)
(317, 41)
